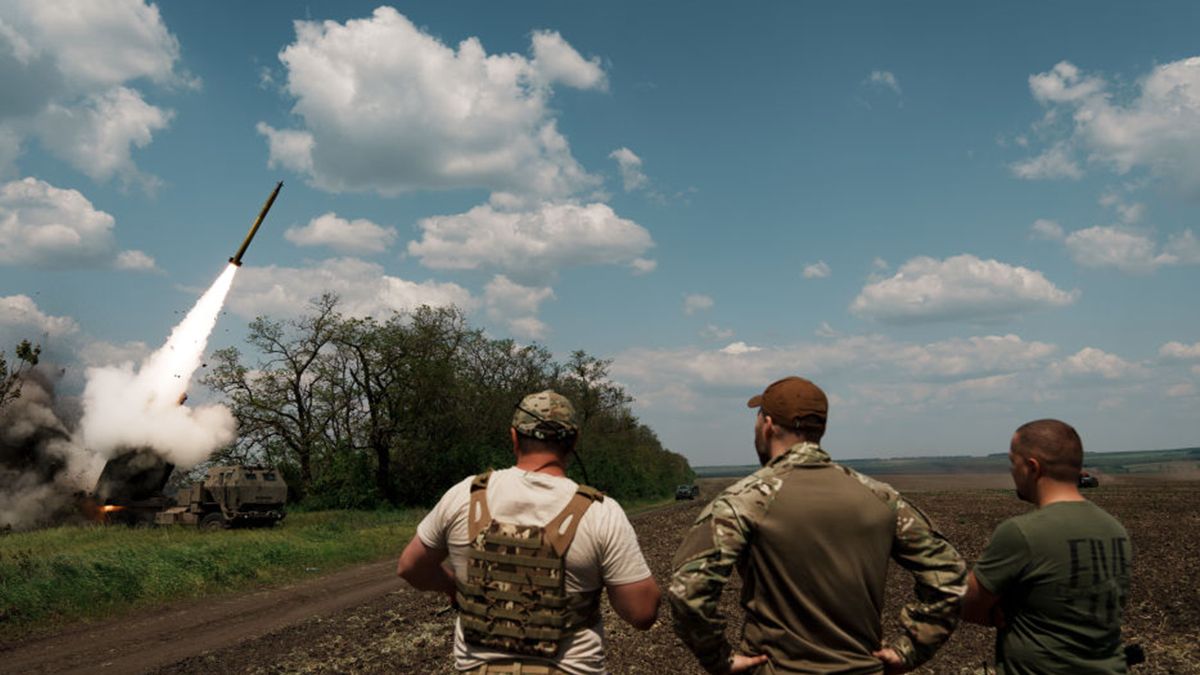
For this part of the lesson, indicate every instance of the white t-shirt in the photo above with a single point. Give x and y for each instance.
(604, 552)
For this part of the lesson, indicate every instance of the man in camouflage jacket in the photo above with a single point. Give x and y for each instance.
(811, 540)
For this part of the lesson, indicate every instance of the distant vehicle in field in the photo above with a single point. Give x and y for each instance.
(230, 496)
(687, 492)
(1087, 480)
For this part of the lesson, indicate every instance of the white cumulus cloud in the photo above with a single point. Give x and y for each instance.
(1055, 162)
(529, 243)
(886, 79)
(879, 367)
(1103, 246)
(364, 289)
(135, 260)
(1129, 250)
(516, 306)
(696, 302)
(630, 166)
(384, 106)
(1178, 351)
(643, 265)
(1157, 128)
(1064, 84)
(817, 270)
(98, 134)
(556, 61)
(47, 226)
(1090, 363)
(345, 236)
(739, 348)
(1047, 229)
(69, 70)
(961, 287)
(20, 312)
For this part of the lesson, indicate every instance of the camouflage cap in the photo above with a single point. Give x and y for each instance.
(545, 411)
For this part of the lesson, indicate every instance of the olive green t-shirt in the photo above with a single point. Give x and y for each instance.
(1062, 574)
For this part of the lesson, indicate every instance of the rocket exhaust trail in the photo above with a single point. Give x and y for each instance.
(126, 407)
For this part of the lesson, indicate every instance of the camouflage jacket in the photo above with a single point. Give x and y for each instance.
(724, 537)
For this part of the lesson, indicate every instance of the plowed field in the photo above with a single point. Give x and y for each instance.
(399, 631)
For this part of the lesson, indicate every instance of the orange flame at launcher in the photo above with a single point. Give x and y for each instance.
(99, 513)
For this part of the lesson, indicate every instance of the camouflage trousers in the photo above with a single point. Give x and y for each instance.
(515, 668)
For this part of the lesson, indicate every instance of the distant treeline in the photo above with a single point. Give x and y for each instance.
(1141, 461)
(360, 413)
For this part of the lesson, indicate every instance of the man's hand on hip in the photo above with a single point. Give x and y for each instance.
(892, 662)
(741, 663)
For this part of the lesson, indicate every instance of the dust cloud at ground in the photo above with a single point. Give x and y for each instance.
(41, 465)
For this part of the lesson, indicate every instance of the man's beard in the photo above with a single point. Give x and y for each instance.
(1022, 496)
(762, 448)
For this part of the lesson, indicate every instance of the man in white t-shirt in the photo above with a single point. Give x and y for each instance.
(504, 533)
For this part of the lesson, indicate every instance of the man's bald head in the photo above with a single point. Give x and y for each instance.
(1055, 445)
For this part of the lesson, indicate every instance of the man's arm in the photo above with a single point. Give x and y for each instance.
(979, 604)
(636, 603)
(422, 567)
(703, 565)
(939, 575)
(1002, 565)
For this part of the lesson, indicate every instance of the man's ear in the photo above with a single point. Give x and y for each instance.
(512, 431)
(1035, 466)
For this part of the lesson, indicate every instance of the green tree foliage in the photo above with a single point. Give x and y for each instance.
(27, 355)
(362, 412)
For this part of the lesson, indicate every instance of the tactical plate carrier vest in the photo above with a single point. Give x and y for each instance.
(514, 598)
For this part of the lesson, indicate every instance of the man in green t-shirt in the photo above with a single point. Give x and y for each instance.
(1054, 580)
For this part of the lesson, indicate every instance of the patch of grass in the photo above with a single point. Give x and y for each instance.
(65, 573)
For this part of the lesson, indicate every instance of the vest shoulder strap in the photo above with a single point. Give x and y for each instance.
(591, 493)
(478, 516)
(560, 531)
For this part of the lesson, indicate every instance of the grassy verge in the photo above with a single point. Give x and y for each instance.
(66, 573)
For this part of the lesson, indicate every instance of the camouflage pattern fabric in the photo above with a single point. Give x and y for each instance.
(721, 535)
(514, 598)
(545, 411)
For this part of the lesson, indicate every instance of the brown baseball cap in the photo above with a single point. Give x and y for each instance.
(786, 401)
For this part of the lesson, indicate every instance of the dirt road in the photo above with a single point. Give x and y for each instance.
(143, 642)
(363, 620)
(254, 631)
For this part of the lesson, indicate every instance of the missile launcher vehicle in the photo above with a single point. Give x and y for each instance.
(230, 496)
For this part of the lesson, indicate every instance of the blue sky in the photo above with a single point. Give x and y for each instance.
(954, 217)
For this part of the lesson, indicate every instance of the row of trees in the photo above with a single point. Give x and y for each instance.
(361, 412)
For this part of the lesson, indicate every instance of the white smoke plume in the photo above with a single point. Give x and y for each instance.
(126, 407)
